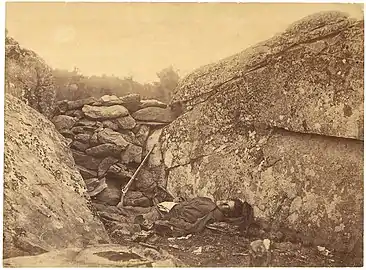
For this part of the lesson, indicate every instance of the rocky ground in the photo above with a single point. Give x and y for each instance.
(218, 249)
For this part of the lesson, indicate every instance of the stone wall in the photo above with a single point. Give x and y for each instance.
(108, 138)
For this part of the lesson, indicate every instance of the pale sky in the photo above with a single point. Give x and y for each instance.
(140, 39)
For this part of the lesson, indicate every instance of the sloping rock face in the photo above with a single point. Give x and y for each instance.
(45, 201)
(29, 78)
(280, 125)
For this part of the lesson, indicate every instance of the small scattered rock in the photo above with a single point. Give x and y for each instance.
(197, 251)
(176, 247)
(267, 243)
(323, 251)
(260, 255)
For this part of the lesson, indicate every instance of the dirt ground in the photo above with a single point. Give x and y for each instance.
(217, 249)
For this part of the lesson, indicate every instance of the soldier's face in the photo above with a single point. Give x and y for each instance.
(225, 206)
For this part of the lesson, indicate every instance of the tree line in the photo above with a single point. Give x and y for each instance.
(73, 85)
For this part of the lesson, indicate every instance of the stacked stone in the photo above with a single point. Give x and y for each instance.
(107, 137)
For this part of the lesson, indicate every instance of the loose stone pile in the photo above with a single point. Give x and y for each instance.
(108, 138)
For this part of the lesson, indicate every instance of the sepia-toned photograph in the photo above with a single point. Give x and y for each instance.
(183, 135)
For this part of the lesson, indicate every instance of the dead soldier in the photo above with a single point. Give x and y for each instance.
(192, 216)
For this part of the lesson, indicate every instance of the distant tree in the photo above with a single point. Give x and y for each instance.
(168, 82)
(168, 77)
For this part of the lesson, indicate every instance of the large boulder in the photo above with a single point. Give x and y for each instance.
(308, 79)
(280, 125)
(45, 201)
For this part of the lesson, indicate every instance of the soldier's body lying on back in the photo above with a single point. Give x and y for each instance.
(193, 215)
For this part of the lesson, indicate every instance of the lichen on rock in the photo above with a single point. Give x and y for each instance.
(45, 201)
(280, 125)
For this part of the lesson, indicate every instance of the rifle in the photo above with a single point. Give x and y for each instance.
(127, 186)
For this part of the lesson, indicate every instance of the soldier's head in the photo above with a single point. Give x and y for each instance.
(231, 208)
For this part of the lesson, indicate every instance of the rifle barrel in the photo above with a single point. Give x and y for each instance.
(127, 186)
